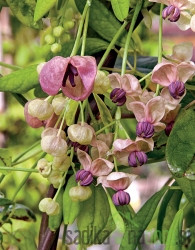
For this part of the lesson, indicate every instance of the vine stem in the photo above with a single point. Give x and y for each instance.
(107, 126)
(77, 41)
(19, 169)
(160, 48)
(112, 43)
(27, 158)
(85, 32)
(82, 113)
(134, 19)
(26, 177)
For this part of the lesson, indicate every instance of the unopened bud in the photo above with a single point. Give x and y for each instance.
(85, 178)
(80, 133)
(55, 178)
(137, 158)
(80, 193)
(102, 83)
(40, 109)
(49, 206)
(145, 129)
(49, 39)
(57, 31)
(44, 167)
(58, 104)
(56, 47)
(54, 145)
(61, 163)
(121, 198)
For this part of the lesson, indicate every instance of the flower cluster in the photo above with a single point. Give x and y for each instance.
(101, 154)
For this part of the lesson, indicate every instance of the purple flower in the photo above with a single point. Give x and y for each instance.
(84, 177)
(121, 198)
(136, 158)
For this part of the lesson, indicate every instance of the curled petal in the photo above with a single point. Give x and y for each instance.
(184, 21)
(164, 73)
(52, 74)
(84, 159)
(87, 69)
(144, 145)
(159, 126)
(107, 138)
(155, 109)
(118, 180)
(138, 108)
(101, 167)
(115, 80)
(186, 71)
(122, 157)
(192, 23)
(126, 145)
(131, 85)
(100, 150)
(183, 51)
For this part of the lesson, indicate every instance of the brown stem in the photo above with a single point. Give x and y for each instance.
(49, 238)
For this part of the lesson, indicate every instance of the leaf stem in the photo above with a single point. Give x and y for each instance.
(10, 66)
(133, 21)
(112, 43)
(145, 77)
(27, 158)
(82, 113)
(84, 37)
(19, 169)
(102, 129)
(77, 41)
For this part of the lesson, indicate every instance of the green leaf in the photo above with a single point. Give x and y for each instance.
(167, 211)
(120, 8)
(42, 7)
(20, 81)
(5, 159)
(21, 212)
(70, 208)
(104, 112)
(71, 110)
(38, 92)
(26, 239)
(24, 11)
(102, 21)
(180, 147)
(188, 187)
(174, 240)
(140, 221)
(118, 220)
(94, 216)
(5, 202)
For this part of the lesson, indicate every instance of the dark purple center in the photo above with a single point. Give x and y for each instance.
(168, 128)
(77, 145)
(84, 177)
(172, 12)
(145, 129)
(118, 96)
(177, 89)
(137, 158)
(121, 198)
(70, 73)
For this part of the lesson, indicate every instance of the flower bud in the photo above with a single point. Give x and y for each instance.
(49, 39)
(145, 129)
(102, 83)
(49, 206)
(56, 47)
(118, 96)
(80, 133)
(54, 145)
(137, 158)
(177, 89)
(61, 163)
(68, 25)
(80, 193)
(85, 178)
(40, 109)
(44, 167)
(58, 104)
(121, 198)
(53, 132)
(55, 178)
(57, 31)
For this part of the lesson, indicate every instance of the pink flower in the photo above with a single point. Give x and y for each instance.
(123, 86)
(116, 180)
(148, 116)
(74, 75)
(180, 11)
(132, 153)
(173, 76)
(98, 167)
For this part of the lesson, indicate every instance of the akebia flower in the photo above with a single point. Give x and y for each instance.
(98, 167)
(123, 86)
(118, 181)
(148, 116)
(132, 153)
(179, 11)
(173, 76)
(74, 75)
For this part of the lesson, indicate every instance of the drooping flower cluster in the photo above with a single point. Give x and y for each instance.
(67, 136)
